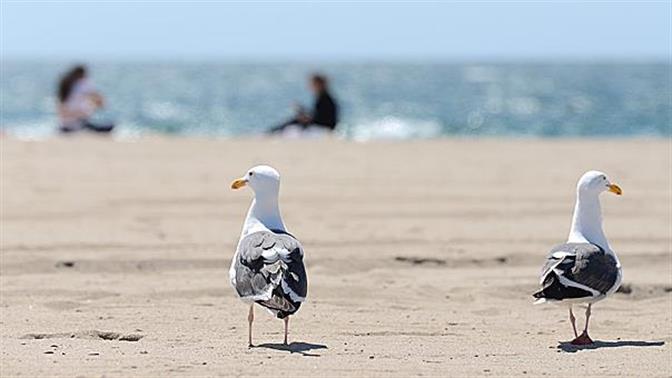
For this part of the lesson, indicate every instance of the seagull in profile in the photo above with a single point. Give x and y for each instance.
(585, 269)
(267, 268)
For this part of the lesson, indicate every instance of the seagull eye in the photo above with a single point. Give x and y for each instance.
(250, 174)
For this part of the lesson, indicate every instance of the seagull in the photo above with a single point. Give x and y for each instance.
(585, 269)
(267, 268)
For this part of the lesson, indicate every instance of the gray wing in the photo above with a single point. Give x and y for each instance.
(577, 270)
(269, 270)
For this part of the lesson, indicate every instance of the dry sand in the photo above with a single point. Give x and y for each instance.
(421, 256)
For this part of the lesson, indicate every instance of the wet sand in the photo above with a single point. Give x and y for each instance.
(421, 258)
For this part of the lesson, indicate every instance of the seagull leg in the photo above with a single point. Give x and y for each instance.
(585, 329)
(584, 339)
(572, 319)
(286, 328)
(250, 319)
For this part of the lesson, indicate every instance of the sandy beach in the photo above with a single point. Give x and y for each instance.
(421, 255)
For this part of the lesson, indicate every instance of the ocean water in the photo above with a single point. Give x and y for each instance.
(377, 100)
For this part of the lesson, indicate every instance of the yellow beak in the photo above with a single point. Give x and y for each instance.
(615, 189)
(239, 183)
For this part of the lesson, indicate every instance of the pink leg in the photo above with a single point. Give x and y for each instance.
(572, 319)
(584, 339)
(250, 319)
(588, 312)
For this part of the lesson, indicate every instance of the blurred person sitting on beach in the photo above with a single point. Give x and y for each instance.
(323, 118)
(78, 100)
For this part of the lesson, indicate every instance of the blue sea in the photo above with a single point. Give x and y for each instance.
(377, 100)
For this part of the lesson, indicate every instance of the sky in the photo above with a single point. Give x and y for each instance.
(335, 30)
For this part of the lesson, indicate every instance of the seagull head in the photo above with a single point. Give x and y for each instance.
(262, 179)
(596, 182)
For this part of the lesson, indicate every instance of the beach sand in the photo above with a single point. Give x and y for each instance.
(421, 258)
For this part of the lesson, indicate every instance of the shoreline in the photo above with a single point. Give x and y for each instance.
(335, 138)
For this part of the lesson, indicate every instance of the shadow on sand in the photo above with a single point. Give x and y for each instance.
(296, 347)
(571, 348)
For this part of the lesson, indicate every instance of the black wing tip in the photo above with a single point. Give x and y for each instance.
(280, 313)
(554, 290)
(560, 293)
(284, 314)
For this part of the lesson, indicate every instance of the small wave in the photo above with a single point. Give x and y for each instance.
(39, 129)
(394, 128)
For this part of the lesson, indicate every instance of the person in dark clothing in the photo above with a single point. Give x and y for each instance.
(325, 111)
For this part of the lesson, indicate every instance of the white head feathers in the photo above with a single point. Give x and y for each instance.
(587, 219)
(264, 213)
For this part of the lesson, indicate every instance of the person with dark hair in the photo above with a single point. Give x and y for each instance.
(324, 116)
(78, 100)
